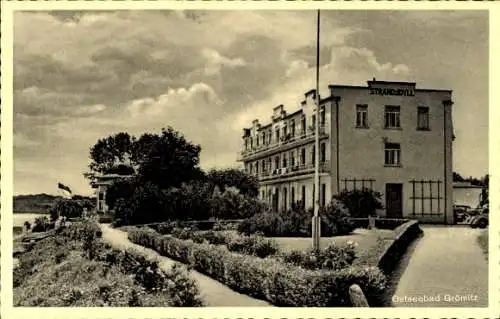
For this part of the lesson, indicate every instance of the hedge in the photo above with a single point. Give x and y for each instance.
(268, 279)
(405, 234)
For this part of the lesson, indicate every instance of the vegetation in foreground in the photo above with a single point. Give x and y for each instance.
(75, 268)
(300, 280)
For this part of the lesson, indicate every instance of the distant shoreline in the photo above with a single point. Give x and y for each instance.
(37, 213)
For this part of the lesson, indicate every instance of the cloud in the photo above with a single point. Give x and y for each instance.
(347, 65)
(80, 76)
(215, 62)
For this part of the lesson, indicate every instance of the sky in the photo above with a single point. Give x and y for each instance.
(81, 76)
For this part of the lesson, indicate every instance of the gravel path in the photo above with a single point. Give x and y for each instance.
(214, 293)
(445, 268)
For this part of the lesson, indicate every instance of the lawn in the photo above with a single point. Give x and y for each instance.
(371, 243)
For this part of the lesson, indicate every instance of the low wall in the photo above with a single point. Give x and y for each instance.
(380, 223)
(405, 234)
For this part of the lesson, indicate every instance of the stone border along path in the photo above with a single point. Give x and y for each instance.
(445, 268)
(213, 293)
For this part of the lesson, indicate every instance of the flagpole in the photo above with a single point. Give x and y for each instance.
(316, 224)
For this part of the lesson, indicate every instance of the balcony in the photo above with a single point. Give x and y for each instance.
(296, 170)
(286, 142)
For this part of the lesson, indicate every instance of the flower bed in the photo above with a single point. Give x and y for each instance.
(267, 278)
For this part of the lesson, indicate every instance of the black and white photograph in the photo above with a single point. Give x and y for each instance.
(250, 158)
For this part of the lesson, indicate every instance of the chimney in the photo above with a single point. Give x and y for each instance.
(311, 92)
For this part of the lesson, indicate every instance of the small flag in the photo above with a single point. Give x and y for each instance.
(64, 187)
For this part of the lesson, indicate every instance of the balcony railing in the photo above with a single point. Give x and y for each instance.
(291, 171)
(287, 139)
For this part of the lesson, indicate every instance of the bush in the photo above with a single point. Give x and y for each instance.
(335, 220)
(180, 289)
(253, 245)
(268, 223)
(66, 207)
(332, 257)
(42, 224)
(233, 205)
(165, 228)
(296, 222)
(268, 279)
(360, 203)
(250, 245)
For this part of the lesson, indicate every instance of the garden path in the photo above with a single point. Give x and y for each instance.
(447, 262)
(214, 293)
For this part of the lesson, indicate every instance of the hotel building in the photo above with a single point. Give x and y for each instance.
(391, 137)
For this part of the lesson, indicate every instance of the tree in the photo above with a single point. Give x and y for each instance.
(113, 153)
(146, 205)
(246, 184)
(169, 160)
(457, 177)
(123, 188)
(165, 159)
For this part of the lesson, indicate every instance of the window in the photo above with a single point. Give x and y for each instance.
(323, 152)
(323, 195)
(263, 166)
(101, 196)
(313, 122)
(423, 118)
(257, 168)
(284, 160)
(277, 135)
(292, 195)
(322, 116)
(269, 136)
(313, 154)
(392, 117)
(263, 138)
(292, 158)
(303, 196)
(392, 154)
(292, 127)
(285, 130)
(263, 195)
(246, 145)
(303, 124)
(303, 156)
(251, 143)
(276, 162)
(285, 198)
(362, 116)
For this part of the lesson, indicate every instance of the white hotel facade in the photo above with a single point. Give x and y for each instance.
(391, 137)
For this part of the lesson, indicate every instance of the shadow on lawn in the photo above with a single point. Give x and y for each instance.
(395, 276)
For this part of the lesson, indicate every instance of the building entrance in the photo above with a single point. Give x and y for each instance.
(394, 200)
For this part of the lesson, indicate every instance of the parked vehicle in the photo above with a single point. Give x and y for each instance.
(461, 212)
(481, 220)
